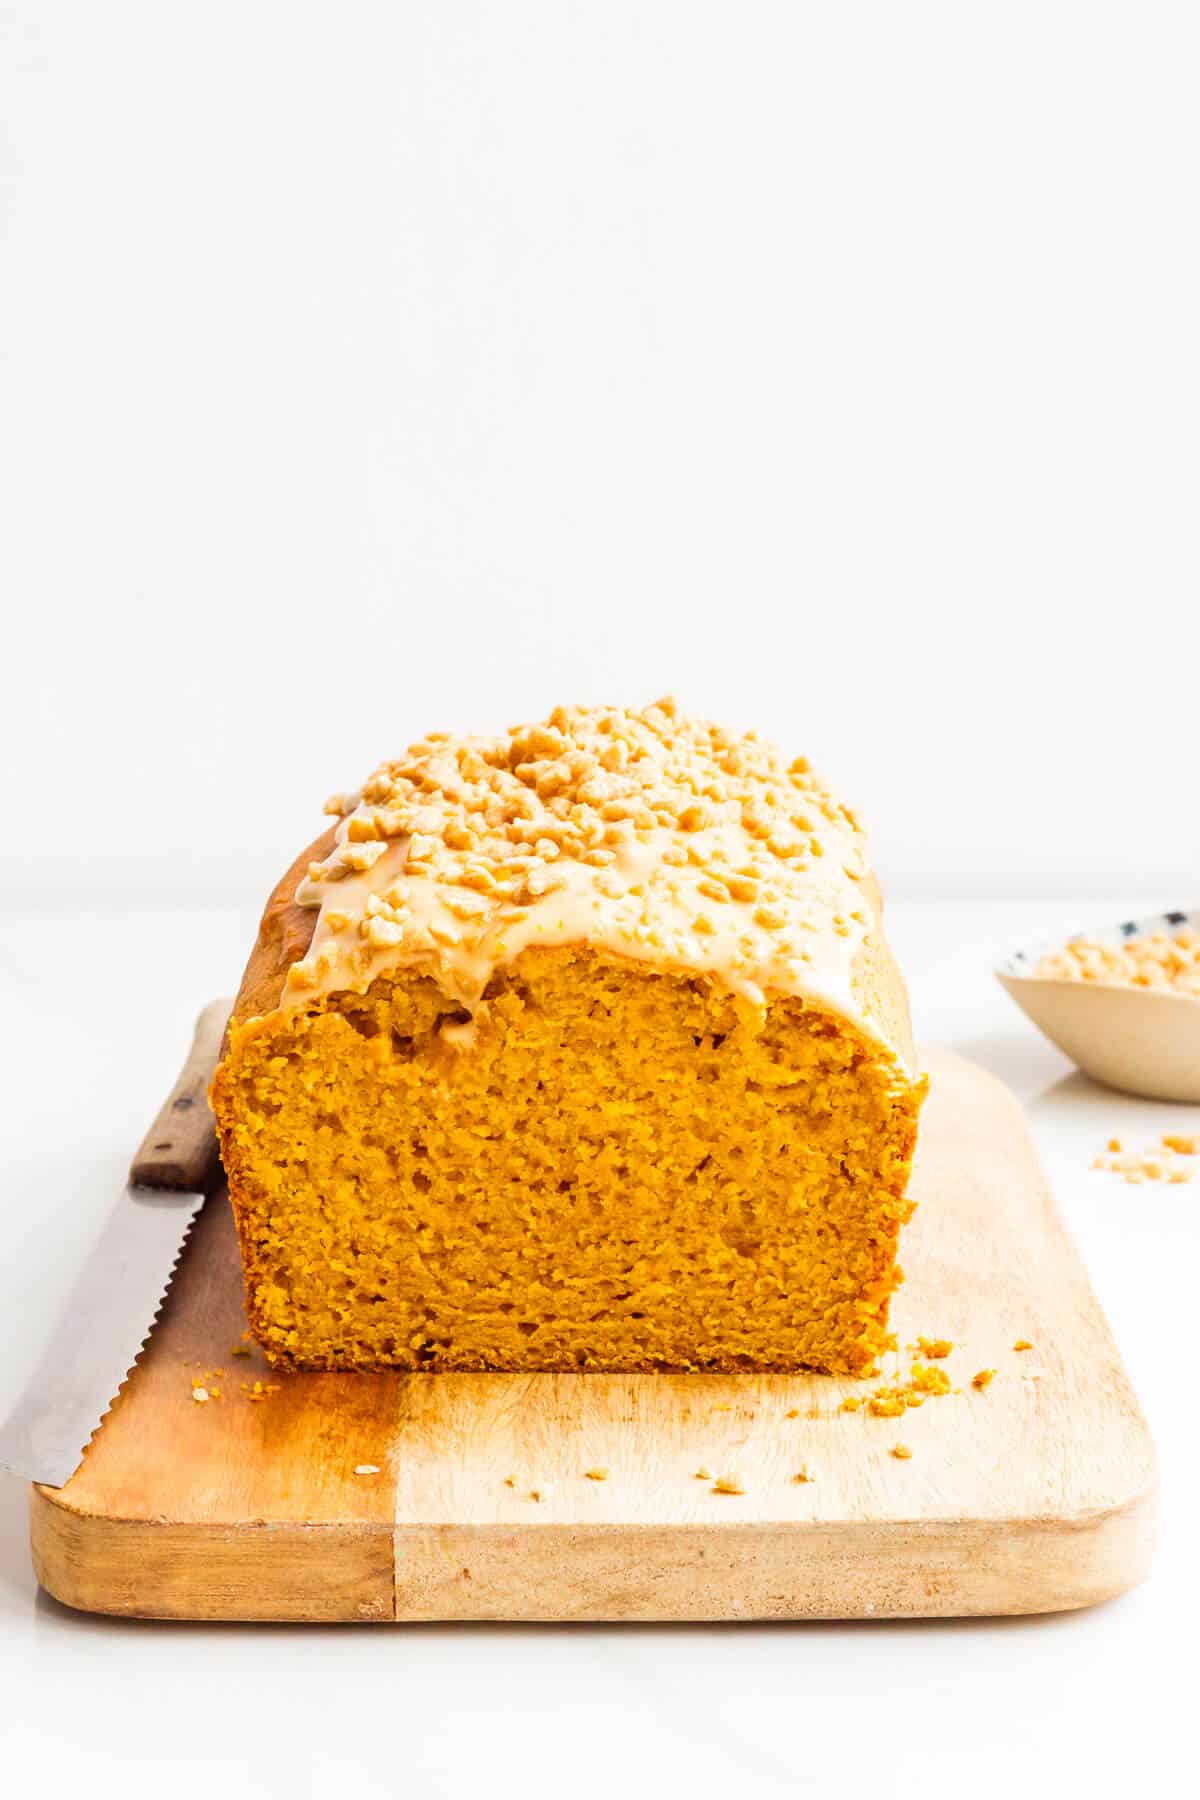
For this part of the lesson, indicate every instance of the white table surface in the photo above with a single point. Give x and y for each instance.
(97, 1010)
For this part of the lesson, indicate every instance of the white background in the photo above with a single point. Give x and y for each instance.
(371, 368)
(376, 368)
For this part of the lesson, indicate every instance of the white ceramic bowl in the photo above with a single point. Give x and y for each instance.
(1142, 1040)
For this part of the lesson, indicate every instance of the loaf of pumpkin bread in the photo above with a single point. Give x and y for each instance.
(574, 1048)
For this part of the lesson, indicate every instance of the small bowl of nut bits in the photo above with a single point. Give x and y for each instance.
(1123, 1003)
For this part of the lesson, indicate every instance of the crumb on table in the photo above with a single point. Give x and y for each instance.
(1172, 1159)
(901, 1452)
(983, 1379)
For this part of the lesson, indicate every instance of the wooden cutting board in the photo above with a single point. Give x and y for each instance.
(1032, 1495)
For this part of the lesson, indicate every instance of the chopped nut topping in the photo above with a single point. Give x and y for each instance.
(1166, 961)
(644, 832)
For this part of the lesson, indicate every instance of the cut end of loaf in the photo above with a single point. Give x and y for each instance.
(605, 1168)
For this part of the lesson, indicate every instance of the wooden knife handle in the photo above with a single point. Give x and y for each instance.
(180, 1149)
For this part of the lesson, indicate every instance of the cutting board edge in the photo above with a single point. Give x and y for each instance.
(172, 1569)
(415, 1573)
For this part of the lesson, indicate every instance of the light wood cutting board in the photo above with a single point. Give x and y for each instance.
(1033, 1495)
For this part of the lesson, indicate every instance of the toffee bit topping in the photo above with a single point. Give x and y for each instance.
(1168, 961)
(647, 833)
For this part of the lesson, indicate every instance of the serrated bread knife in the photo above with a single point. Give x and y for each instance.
(125, 1280)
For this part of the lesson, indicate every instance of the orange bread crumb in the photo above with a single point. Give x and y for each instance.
(983, 1379)
(887, 1405)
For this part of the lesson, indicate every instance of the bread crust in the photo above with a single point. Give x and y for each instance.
(284, 935)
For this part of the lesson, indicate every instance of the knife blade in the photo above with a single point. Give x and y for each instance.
(113, 1305)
